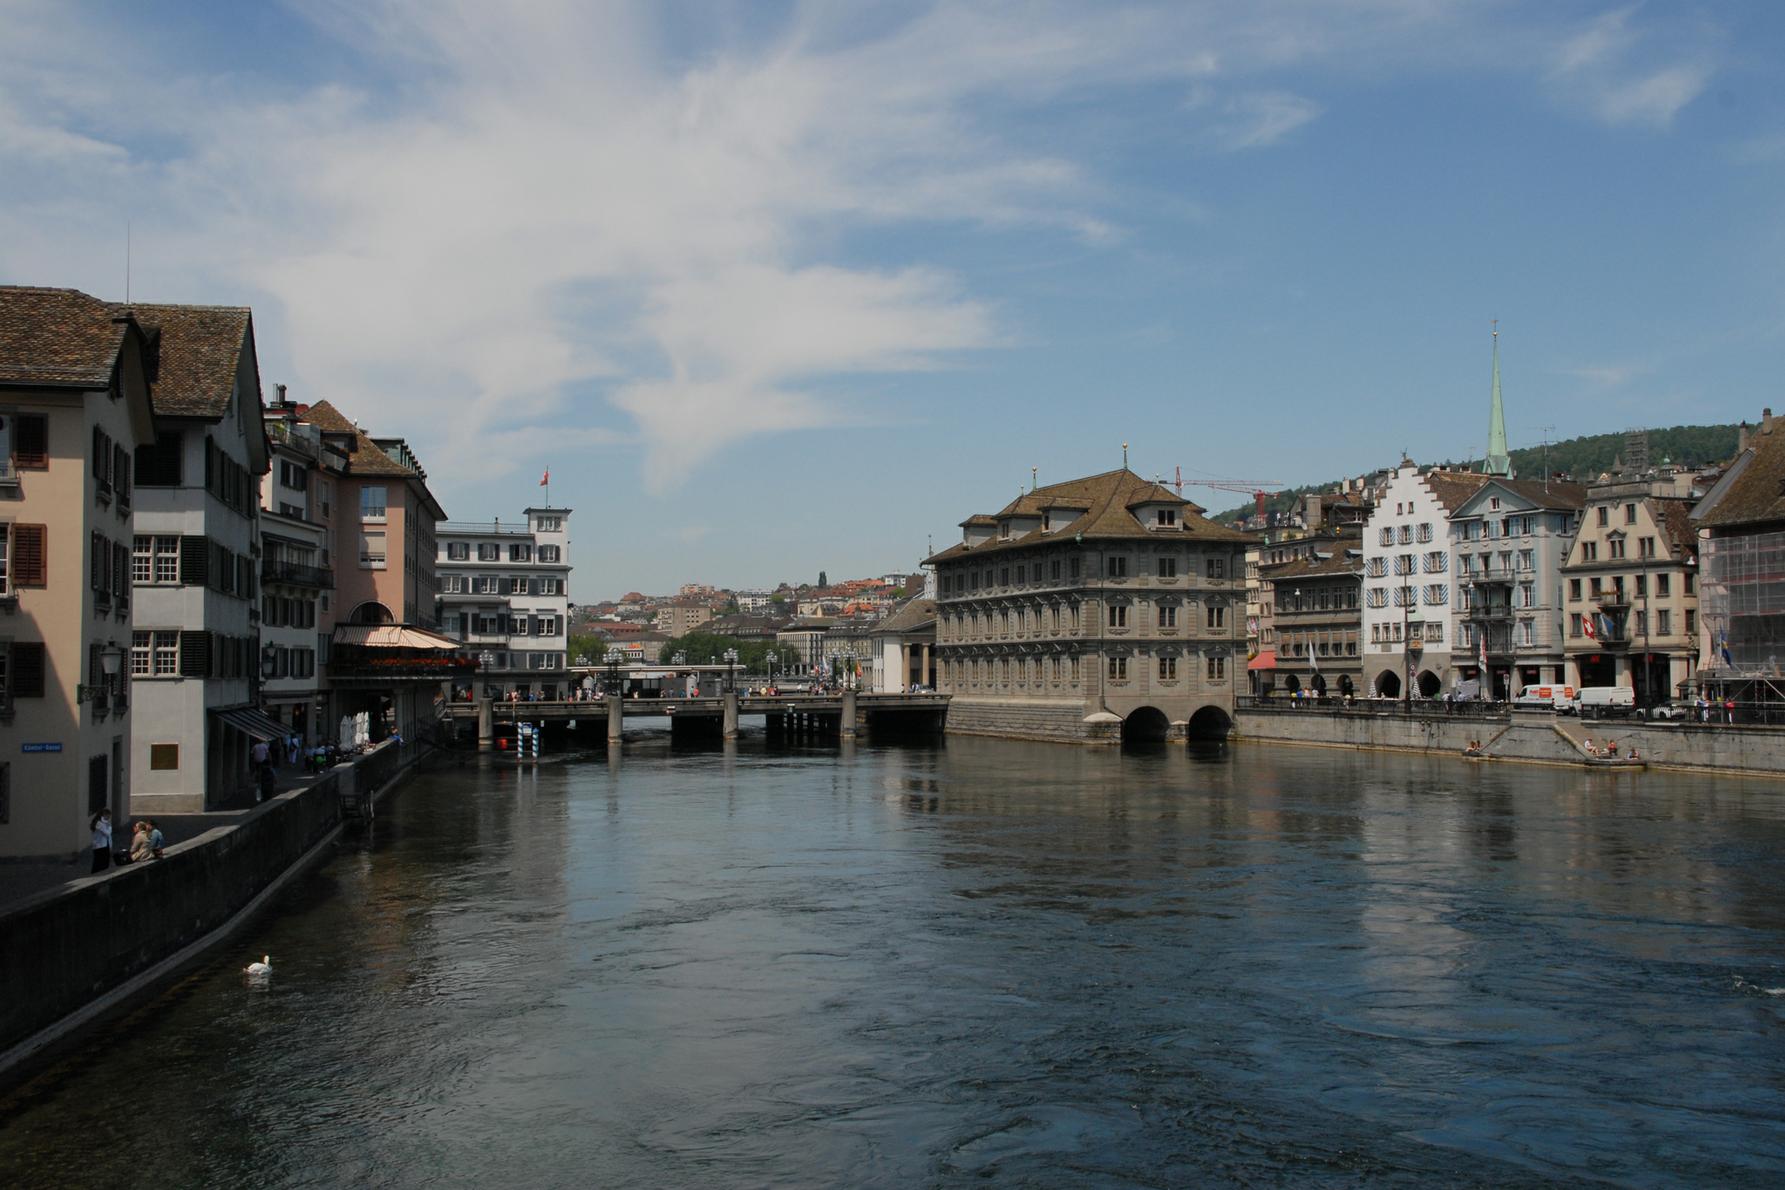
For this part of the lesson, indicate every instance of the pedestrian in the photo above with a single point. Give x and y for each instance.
(291, 751)
(102, 840)
(260, 755)
(1729, 710)
(156, 840)
(140, 847)
(265, 783)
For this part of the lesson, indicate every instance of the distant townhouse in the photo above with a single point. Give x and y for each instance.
(505, 596)
(1317, 599)
(1408, 616)
(905, 642)
(1632, 588)
(1741, 522)
(195, 653)
(682, 616)
(75, 376)
(1274, 550)
(385, 661)
(297, 577)
(1092, 610)
(1510, 540)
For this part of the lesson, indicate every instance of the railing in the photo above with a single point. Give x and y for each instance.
(1366, 707)
(277, 570)
(491, 527)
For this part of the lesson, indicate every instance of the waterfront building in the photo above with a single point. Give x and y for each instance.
(905, 646)
(1632, 588)
(1090, 610)
(385, 659)
(799, 646)
(505, 595)
(297, 578)
(1741, 522)
(1509, 540)
(1408, 616)
(1317, 613)
(195, 649)
(849, 652)
(75, 376)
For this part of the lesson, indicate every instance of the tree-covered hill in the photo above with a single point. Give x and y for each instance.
(1581, 458)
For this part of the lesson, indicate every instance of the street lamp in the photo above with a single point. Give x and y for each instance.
(849, 669)
(731, 665)
(1406, 649)
(614, 658)
(771, 659)
(111, 664)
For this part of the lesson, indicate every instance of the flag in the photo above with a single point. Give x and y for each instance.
(1586, 623)
(1313, 660)
(1484, 652)
(1723, 649)
(546, 479)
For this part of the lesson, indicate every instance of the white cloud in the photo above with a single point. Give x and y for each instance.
(1603, 65)
(1606, 375)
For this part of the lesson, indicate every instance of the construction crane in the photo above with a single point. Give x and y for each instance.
(1258, 489)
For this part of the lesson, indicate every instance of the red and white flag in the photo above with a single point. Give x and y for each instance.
(1586, 623)
(546, 479)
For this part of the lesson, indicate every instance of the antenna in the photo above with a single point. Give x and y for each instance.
(1547, 431)
(126, 262)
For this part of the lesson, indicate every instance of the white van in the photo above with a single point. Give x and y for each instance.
(1602, 701)
(1549, 698)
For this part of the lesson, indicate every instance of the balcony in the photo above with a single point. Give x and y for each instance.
(1496, 576)
(1488, 612)
(277, 570)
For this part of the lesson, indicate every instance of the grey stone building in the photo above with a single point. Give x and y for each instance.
(1318, 619)
(1094, 610)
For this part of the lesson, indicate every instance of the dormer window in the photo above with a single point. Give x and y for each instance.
(1165, 518)
(1004, 529)
(1494, 503)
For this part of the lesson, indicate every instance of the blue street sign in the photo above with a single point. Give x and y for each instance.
(40, 747)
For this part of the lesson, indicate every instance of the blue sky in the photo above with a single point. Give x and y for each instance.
(780, 288)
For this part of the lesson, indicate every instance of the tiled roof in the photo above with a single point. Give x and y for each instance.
(1675, 517)
(57, 336)
(914, 616)
(1756, 495)
(364, 457)
(328, 419)
(200, 349)
(1107, 499)
(1336, 564)
(1561, 495)
(1453, 487)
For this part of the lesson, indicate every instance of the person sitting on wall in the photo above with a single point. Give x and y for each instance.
(1591, 748)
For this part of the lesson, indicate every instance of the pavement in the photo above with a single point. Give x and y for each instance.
(21, 879)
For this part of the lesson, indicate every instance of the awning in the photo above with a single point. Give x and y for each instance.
(393, 636)
(252, 722)
(1266, 659)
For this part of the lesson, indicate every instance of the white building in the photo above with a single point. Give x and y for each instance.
(1408, 602)
(505, 593)
(195, 654)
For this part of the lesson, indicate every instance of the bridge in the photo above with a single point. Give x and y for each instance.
(842, 714)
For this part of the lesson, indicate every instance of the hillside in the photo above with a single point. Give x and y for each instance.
(1582, 458)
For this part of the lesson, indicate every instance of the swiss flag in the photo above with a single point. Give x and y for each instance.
(1586, 623)
(546, 479)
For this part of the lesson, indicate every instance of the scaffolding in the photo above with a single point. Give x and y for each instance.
(1741, 598)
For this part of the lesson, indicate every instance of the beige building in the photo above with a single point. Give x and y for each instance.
(680, 618)
(1094, 610)
(1631, 597)
(74, 405)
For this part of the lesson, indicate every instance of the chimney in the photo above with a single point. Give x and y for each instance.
(1766, 420)
(1741, 437)
(280, 389)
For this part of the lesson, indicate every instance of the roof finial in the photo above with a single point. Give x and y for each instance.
(1124, 456)
(1033, 473)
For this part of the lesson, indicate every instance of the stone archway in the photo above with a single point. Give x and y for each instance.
(1388, 684)
(1429, 685)
(1145, 725)
(371, 612)
(1209, 725)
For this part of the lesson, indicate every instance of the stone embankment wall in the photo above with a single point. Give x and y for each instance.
(1026, 719)
(1529, 737)
(66, 947)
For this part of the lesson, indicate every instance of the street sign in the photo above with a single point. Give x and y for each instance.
(48, 747)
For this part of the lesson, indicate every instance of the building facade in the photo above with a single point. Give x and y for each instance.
(1510, 540)
(1632, 589)
(1741, 522)
(684, 615)
(1318, 620)
(505, 593)
(297, 579)
(1408, 619)
(75, 376)
(195, 652)
(1093, 610)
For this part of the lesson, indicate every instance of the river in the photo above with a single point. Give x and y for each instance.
(979, 962)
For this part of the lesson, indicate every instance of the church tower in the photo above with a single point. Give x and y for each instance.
(1498, 461)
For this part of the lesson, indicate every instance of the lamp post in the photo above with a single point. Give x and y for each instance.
(731, 668)
(771, 658)
(613, 659)
(486, 661)
(849, 670)
(1406, 650)
(111, 664)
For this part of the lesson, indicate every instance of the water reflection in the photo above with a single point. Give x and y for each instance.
(818, 962)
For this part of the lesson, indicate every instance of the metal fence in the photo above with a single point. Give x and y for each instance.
(1419, 708)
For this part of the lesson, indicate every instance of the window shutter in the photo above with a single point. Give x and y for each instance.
(31, 441)
(121, 472)
(195, 653)
(195, 559)
(30, 556)
(27, 669)
(98, 560)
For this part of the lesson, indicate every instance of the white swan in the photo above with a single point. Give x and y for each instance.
(264, 967)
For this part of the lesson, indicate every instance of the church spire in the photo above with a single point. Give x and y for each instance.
(1498, 461)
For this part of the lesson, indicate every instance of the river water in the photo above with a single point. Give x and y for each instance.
(983, 962)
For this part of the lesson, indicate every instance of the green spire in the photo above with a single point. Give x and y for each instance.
(1498, 461)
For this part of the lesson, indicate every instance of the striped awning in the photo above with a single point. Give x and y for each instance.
(392, 636)
(252, 723)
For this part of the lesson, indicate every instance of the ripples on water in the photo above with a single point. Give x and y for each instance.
(1022, 964)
